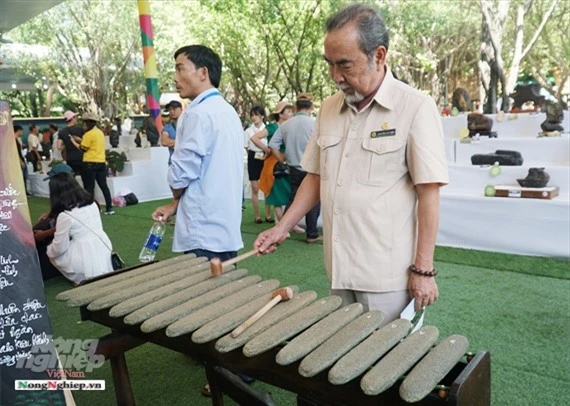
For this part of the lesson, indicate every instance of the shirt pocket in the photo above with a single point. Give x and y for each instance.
(380, 159)
(330, 149)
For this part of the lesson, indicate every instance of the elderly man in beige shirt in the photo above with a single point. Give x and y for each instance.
(376, 160)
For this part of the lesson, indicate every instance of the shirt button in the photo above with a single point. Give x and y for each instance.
(379, 149)
(337, 239)
(336, 211)
(347, 154)
(339, 183)
(353, 127)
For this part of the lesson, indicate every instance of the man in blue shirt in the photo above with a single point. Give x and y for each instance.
(206, 171)
(168, 136)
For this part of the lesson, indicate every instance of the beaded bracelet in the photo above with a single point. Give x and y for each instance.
(412, 268)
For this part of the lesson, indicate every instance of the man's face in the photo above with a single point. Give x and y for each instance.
(35, 131)
(349, 66)
(189, 79)
(174, 112)
(18, 134)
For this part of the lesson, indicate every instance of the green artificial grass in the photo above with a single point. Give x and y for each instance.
(551, 267)
(516, 307)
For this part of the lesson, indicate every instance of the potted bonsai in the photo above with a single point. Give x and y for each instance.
(115, 161)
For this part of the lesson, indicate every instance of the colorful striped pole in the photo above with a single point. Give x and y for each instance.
(150, 72)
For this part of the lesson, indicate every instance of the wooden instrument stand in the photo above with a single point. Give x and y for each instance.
(470, 383)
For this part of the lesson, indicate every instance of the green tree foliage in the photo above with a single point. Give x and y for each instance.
(433, 44)
(548, 61)
(91, 56)
(272, 49)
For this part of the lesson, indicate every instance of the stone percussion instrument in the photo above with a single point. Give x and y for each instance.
(311, 346)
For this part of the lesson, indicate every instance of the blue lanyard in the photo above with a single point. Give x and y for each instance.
(210, 95)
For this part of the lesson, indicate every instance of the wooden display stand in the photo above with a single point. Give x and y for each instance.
(547, 193)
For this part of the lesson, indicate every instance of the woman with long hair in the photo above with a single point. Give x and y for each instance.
(80, 249)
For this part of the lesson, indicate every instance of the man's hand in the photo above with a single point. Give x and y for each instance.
(163, 213)
(268, 240)
(423, 289)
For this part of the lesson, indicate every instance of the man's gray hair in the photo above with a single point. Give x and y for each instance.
(372, 29)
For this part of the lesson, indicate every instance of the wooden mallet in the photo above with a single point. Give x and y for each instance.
(216, 265)
(279, 295)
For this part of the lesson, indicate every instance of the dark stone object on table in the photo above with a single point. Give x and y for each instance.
(478, 123)
(501, 156)
(537, 177)
(554, 116)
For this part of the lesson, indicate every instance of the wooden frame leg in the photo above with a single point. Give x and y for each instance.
(215, 387)
(123, 389)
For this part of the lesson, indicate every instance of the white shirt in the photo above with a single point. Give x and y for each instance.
(80, 248)
(34, 142)
(369, 162)
(208, 163)
(56, 152)
(250, 132)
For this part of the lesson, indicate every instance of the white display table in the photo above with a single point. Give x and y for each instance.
(144, 174)
(517, 226)
(468, 219)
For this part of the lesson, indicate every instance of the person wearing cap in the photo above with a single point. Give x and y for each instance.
(44, 229)
(294, 136)
(376, 160)
(72, 154)
(94, 167)
(168, 135)
(276, 190)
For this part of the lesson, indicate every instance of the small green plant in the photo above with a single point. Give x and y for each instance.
(55, 162)
(115, 161)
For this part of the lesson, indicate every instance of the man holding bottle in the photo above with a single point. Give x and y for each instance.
(206, 171)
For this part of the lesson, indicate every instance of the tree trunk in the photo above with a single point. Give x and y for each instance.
(49, 99)
(491, 48)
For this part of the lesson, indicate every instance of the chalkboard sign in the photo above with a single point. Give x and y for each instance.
(25, 329)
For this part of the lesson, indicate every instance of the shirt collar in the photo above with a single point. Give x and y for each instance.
(384, 96)
(203, 95)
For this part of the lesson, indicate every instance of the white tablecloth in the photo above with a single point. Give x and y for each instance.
(517, 226)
